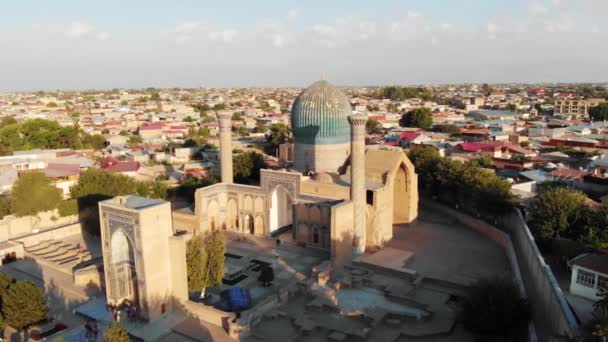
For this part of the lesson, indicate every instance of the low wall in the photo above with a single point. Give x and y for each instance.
(12, 227)
(550, 308)
(207, 313)
(88, 276)
(56, 233)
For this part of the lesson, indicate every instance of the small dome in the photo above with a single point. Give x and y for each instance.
(320, 115)
(323, 177)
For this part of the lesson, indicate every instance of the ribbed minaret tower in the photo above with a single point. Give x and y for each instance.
(357, 180)
(225, 119)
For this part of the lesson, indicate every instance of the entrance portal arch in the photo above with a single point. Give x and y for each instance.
(122, 261)
(400, 196)
(281, 208)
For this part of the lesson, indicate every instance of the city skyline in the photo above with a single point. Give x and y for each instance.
(72, 45)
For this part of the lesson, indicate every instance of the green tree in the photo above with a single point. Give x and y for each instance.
(196, 262)
(511, 106)
(51, 104)
(33, 193)
(5, 282)
(6, 121)
(135, 139)
(246, 167)
(155, 96)
(599, 112)
(465, 185)
(96, 141)
(5, 206)
(116, 333)
(449, 129)
(188, 187)
(219, 106)
(67, 208)
(260, 129)
(558, 212)
(188, 119)
(486, 89)
(23, 304)
(243, 130)
(216, 247)
(421, 117)
(279, 134)
(236, 116)
(495, 307)
(373, 126)
(124, 103)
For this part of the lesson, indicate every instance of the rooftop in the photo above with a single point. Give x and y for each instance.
(134, 202)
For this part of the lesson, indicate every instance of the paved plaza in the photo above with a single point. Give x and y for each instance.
(445, 249)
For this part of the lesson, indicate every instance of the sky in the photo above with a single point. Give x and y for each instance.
(86, 44)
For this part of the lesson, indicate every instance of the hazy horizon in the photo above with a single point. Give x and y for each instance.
(75, 45)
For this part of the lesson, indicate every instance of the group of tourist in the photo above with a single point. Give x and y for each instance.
(130, 308)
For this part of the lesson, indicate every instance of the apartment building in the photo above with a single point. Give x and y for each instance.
(575, 107)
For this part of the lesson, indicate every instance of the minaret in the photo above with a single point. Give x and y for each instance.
(225, 119)
(357, 180)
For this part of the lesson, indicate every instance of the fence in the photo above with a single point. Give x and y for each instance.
(551, 311)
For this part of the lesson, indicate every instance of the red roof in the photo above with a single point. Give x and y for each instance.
(569, 173)
(109, 161)
(594, 262)
(409, 136)
(151, 127)
(126, 166)
(481, 131)
(391, 143)
(57, 170)
(478, 146)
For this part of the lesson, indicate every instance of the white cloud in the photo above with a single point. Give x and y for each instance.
(536, 8)
(491, 30)
(78, 29)
(226, 36)
(278, 40)
(187, 27)
(324, 30)
(103, 36)
(292, 14)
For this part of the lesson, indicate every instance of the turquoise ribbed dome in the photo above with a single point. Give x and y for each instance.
(320, 115)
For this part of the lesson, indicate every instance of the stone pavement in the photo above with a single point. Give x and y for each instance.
(446, 250)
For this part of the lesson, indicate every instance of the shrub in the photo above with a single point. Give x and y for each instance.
(495, 307)
(68, 208)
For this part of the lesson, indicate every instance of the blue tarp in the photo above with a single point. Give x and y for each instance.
(237, 298)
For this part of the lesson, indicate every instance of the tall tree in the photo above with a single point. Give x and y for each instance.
(278, 134)
(23, 304)
(558, 212)
(421, 117)
(373, 127)
(599, 112)
(246, 167)
(216, 247)
(116, 333)
(5, 282)
(34, 193)
(196, 262)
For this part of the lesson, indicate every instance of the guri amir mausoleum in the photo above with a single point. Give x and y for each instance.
(339, 196)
